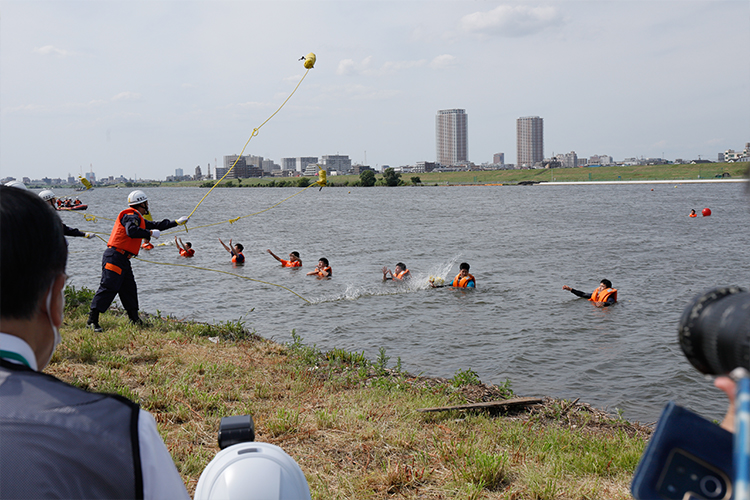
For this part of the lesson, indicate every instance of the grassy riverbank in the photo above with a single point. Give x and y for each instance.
(350, 423)
(512, 177)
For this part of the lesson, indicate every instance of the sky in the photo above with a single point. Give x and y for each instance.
(140, 88)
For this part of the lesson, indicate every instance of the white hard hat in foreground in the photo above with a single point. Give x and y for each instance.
(252, 471)
(137, 197)
(47, 195)
(16, 184)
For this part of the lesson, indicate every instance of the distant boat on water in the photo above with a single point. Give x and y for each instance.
(74, 207)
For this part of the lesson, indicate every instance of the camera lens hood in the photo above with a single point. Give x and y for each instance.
(714, 330)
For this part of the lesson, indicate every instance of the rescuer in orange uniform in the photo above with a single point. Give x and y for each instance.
(603, 296)
(124, 243)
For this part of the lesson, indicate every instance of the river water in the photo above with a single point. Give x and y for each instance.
(523, 244)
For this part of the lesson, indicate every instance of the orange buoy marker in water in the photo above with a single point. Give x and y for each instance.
(706, 212)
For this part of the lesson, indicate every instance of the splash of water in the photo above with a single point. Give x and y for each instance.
(419, 281)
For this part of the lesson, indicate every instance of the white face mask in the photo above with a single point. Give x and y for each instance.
(58, 337)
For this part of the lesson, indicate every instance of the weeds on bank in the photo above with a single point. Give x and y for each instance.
(349, 422)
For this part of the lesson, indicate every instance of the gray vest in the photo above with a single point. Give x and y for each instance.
(57, 441)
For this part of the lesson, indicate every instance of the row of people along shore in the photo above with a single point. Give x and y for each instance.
(133, 231)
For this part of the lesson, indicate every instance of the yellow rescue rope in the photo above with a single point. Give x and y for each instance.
(216, 271)
(225, 272)
(309, 63)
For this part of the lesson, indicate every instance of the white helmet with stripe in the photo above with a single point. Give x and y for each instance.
(47, 195)
(137, 197)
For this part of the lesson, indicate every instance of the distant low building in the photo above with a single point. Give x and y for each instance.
(601, 160)
(730, 155)
(336, 163)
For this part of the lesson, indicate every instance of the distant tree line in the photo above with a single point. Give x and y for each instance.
(366, 179)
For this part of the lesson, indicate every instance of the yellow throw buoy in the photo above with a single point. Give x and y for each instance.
(321, 176)
(85, 182)
(309, 60)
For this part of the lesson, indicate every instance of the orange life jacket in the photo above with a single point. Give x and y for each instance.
(693, 215)
(603, 295)
(401, 275)
(238, 259)
(119, 237)
(460, 282)
(147, 245)
(188, 252)
(326, 269)
(290, 263)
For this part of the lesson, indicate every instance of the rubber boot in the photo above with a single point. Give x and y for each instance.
(93, 321)
(134, 318)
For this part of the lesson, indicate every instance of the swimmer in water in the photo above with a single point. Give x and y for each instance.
(236, 251)
(322, 270)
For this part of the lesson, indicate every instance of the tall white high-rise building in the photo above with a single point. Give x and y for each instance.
(529, 141)
(451, 137)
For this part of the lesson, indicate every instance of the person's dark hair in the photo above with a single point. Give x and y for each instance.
(238, 245)
(324, 261)
(401, 265)
(33, 251)
(606, 283)
(464, 265)
(296, 254)
(189, 245)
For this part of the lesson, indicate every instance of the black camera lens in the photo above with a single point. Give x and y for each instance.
(714, 331)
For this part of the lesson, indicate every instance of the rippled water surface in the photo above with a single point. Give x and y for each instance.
(523, 244)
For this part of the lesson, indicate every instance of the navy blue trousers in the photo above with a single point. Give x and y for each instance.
(117, 278)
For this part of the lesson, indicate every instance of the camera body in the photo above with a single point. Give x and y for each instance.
(689, 457)
(236, 429)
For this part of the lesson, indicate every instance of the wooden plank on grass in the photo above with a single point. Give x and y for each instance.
(488, 405)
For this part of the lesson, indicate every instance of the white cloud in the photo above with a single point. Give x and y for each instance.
(127, 96)
(443, 61)
(25, 108)
(511, 21)
(48, 50)
(349, 67)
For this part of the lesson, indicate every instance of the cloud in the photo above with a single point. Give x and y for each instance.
(48, 50)
(348, 67)
(443, 61)
(127, 96)
(511, 21)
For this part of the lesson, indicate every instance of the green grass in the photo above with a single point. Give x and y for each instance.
(511, 177)
(350, 423)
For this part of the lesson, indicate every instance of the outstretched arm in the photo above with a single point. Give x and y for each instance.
(228, 249)
(578, 293)
(274, 255)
